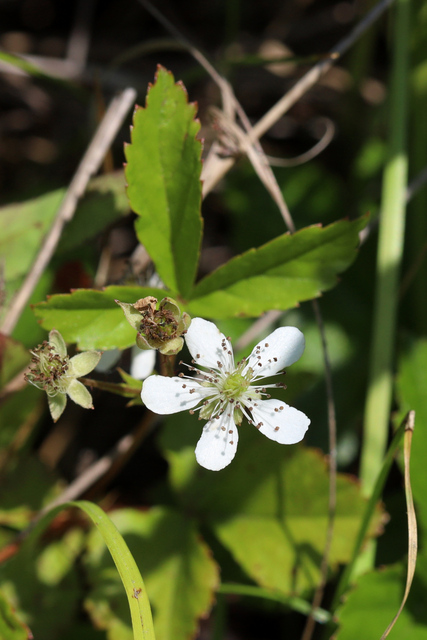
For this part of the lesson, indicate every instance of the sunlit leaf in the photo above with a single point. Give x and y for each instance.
(269, 507)
(163, 175)
(279, 274)
(92, 318)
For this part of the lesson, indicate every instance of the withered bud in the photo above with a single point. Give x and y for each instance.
(158, 325)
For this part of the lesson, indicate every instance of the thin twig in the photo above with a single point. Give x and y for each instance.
(247, 142)
(110, 463)
(315, 150)
(332, 499)
(220, 166)
(125, 446)
(90, 163)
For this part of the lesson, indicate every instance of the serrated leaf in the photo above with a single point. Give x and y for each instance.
(179, 574)
(163, 175)
(279, 274)
(269, 507)
(92, 318)
(373, 603)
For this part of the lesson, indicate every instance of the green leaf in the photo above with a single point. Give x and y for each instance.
(269, 507)
(24, 490)
(22, 228)
(42, 584)
(374, 602)
(92, 318)
(163, 175)
(22, 407)
(22, 570)
(24, 224)
(104, 202)
(279, 274)
(179, 573)
(13, 358)
(411, 390)
(11, 628)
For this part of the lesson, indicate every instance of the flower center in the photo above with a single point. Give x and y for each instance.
(48, 370)
(234, 385)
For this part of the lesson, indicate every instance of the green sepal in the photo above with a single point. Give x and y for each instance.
(132, 315)
(79, 394)
(58, 343)
(57, 405)
(83, 363)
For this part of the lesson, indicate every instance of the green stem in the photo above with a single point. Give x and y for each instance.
(390, 248)
(293, 602)
(348, 573)
(119, 388)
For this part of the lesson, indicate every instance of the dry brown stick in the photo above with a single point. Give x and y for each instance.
(122, 450)
(88, 166)
(248, 143)
(215, 167)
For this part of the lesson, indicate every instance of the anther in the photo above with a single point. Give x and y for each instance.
(276, 428)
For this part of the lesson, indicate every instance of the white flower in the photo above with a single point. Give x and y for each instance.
(225, 393)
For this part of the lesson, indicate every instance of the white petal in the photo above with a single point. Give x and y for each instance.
(142, 363)
(279, 421)
(218, 442)
(170, 395)
(280, 349)
(208, 345)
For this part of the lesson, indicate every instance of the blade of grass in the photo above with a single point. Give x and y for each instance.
(142, 623)
(412, 521)
(349, 571)
(389, 257)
